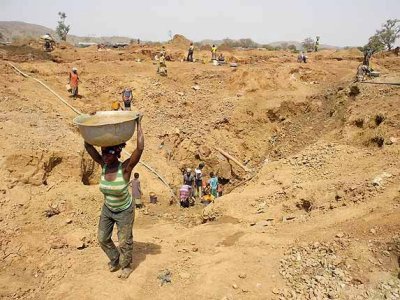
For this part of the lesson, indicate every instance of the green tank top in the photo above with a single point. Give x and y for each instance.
(116, 192)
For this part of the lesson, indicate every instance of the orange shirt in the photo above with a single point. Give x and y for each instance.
(73, 79)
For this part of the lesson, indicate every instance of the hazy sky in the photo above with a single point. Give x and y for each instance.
(338, 22)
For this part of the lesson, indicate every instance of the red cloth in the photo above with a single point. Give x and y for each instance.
(73, 79)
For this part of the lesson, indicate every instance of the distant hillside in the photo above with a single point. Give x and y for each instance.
(12, 30)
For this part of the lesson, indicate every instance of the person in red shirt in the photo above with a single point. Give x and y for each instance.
(74, 81)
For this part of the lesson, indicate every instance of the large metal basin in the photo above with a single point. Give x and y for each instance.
(107, 128)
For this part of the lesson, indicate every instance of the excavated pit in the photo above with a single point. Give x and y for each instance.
(317, 187)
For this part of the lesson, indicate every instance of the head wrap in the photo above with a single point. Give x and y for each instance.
(115, 150)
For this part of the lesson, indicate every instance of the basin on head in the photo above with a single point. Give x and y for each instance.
(107, 128)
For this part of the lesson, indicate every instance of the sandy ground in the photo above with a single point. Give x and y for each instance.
(316, 218)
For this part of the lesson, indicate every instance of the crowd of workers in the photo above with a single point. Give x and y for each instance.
(196, 187)
(161, 58)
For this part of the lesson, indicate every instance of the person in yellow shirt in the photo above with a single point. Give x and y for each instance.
(116, 105)
(207, 198)
(214, 52)
(162, 66)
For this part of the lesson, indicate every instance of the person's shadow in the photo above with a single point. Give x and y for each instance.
(76, 97)
(141, 250)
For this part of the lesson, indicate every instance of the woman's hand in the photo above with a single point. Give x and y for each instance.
(139, 118)
(135, 157)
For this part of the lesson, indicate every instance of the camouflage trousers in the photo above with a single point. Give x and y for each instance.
(124, 221)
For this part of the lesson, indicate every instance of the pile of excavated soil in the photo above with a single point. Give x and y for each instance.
(179, 41)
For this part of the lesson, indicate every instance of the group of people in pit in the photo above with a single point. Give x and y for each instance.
(197, 187)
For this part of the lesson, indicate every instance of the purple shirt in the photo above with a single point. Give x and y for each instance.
(136, 190)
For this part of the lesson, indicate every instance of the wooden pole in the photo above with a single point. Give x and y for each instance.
(227, 155)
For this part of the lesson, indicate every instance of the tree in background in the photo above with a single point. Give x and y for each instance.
(308, 44)
(375, 44)
(284, 45)
(1, 36)
(292, 48)
(389, 33)
(62, 29)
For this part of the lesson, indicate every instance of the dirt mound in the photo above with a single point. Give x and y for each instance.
(339, 55)
(25, 52)
(64, 45)
(179, 41)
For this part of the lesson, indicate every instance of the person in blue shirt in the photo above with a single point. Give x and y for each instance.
(127, 97)
(213, 182)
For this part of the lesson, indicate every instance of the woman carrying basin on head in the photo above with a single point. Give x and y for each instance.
(118, 207)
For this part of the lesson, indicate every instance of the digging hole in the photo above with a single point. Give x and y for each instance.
(359, 122)
(354, 91)
(305, 205)
(378, 140)
(49, 166)
(379, 119)
(88, 167)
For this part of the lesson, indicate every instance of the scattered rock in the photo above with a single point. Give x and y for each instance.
(379, 180)
(235, 286)
(340, 235)
(165, 276)
(76, 240)
(312, 271)
(242, 275)
(305, 204)
(239, 94)
(196, 87)
(354, 91)
(51, 211)
(209, 213)
(288, 218)
(340, 195)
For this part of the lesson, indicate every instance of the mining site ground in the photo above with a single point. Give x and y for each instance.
(316, 216)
